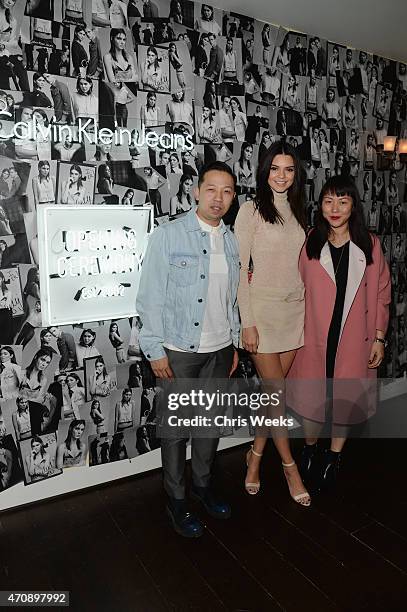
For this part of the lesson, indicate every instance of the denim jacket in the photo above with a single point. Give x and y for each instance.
(173, 287)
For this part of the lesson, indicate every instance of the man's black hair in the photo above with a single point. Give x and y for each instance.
(220, 167)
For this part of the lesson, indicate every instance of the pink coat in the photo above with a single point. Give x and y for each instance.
(366, 308)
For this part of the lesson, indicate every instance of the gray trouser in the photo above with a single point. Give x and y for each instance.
(203, 450)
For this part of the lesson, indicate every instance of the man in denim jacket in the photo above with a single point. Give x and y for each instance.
(187, 302)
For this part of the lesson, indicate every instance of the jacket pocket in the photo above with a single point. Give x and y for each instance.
(183, 269)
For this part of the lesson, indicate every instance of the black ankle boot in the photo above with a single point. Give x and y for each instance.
(329, 469)
(306, 462)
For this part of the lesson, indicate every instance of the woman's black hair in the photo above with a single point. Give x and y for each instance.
(264, 199)
(41, 164)
(244, 147)
(152, 49)
(185, 177)
(87, 331)
(111, 327)
(75, 377)
(239, 106)
(150, 94)
(77, 169)
(102, 361)
(126, 390)
(341, 186)
(68, 440)
(98, 154)
(85, 78)
(43, 114)
(102, 177)
(113, 33)
(12, 356)
(3, 284)
(42, 352)
(39, 441)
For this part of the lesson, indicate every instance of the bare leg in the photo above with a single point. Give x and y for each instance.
(274, 367)
(339, 435)
(312, 431)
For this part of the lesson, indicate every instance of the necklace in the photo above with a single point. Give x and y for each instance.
(340, 259)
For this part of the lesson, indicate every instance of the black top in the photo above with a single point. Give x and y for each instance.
(340, 260)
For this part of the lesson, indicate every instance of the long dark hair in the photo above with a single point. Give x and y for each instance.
(152, 49)
(185, 177)
(111, 328)
(341, 186)
(78, 169)
(264, 199)
(102, 361)
(87, 331)
(98, 154)
(3, 284)
(12, 356)
(39, 441)
(32, 279)
(42, 352)
(68, 440)
(113, 33)
(42, 164)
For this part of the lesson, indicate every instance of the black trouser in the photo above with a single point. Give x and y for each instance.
(122, 114)
(26, 333)
(203, 450)
(155, 199)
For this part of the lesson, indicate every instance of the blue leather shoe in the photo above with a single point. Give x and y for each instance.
(215, 507)
(184, 523)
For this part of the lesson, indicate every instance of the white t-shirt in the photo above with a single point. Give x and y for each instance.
(216, 333)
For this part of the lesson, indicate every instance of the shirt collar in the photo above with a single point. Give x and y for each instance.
(192, 222)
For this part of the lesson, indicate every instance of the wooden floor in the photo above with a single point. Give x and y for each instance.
(114, 550)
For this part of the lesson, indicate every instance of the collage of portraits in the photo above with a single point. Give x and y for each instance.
(82, 394)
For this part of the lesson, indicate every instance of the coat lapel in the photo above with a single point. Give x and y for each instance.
(325, 260)
(356, 270)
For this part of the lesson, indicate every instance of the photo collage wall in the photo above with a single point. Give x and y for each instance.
(82, 394)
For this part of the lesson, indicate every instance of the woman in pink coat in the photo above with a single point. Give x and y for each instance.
(347, 297)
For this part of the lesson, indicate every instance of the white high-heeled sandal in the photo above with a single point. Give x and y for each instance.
(304, 499)
(252, 488)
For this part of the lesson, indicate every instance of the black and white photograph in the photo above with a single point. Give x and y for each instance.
(128, 406)
(13, 250)
(181, 193)
(179, 110)
(11, 303)
(207, 125)
(154, 68)
(75, 184)
(180, 64)
(208, 19)
(98, 381)
(99, 446)
(152, 108)
(245, 165)
(72, 447)
(11, 472)
(39, 458)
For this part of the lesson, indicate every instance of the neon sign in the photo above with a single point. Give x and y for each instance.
(87, 131)
(90, 261)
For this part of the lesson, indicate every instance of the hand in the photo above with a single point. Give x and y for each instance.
(161, 368)
(250, 339)
(235, 362)
(376, 355)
